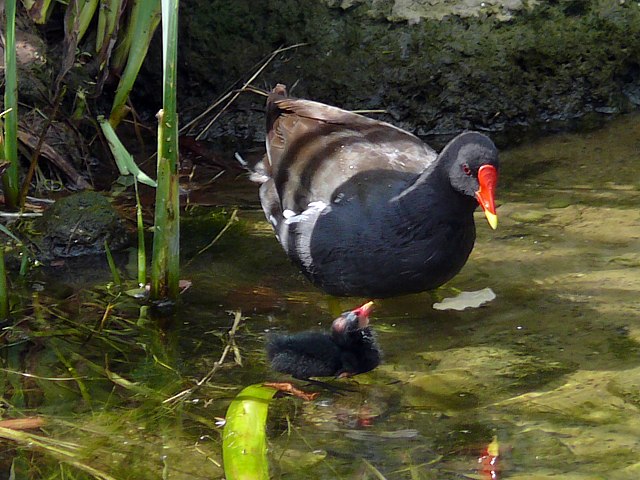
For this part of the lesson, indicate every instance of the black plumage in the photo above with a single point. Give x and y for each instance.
(349, 349)
(364, 208)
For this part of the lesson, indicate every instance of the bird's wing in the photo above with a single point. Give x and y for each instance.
(313, 148)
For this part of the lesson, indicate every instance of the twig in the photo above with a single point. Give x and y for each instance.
(226, 95)
(234, 217)
(247, 83)
(231, 345)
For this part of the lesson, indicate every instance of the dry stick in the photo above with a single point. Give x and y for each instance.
(217, 365)
(220, 100)
(247, 83)
(207, 111)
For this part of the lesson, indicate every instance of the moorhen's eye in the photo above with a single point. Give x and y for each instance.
(466, 169)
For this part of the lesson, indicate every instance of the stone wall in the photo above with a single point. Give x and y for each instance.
(436, 66)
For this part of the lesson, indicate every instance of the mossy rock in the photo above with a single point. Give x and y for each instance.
(459, 64)
(78, 225)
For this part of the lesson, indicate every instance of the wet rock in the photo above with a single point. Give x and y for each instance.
(598, 398)
(529, 216)
(559, 202)
(467, 377)
(450, 391)
(78, 225)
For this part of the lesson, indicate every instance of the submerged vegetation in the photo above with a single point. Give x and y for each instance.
(110, 375)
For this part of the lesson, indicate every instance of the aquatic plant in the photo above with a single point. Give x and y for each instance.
(244, 440)
(165, 263)
(10, 179)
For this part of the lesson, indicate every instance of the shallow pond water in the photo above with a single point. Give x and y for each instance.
(550, 369)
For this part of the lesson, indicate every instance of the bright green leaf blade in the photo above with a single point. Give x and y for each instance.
(7, 232)
(144, 19)
(108, 16)
(38, 11)
(125, 162)
(85, 16)
(244, 440)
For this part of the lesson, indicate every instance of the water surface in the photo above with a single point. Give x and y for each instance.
(550, 369)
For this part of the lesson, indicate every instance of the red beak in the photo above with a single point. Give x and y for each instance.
(363, 314)
(488, 179)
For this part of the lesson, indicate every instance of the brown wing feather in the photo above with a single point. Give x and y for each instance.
(289, 120)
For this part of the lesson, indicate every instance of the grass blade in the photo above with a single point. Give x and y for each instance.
(38, 10)
(142, 249)
(145, 17)
(85, 15)
(108, 16)
(112, 265)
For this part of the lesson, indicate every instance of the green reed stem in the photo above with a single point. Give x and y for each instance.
(165, 263)
(142, 249)
(10, 179)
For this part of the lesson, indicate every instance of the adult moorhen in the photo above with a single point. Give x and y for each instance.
(349, 349)
(365, 208)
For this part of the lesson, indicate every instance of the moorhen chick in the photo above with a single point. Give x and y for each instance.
(348, 350)
(364, 208)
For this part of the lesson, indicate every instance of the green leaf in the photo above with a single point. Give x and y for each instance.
(125, 162)
(7, 232)
(143, 21)
(244, 440)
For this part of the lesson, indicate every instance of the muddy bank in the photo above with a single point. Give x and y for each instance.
(437, 67)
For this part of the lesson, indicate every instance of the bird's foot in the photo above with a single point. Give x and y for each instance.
(289, 388)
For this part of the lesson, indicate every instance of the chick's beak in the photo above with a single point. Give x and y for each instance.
(363, 314)
(488, 179)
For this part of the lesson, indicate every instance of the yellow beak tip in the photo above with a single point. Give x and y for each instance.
(492, 219)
